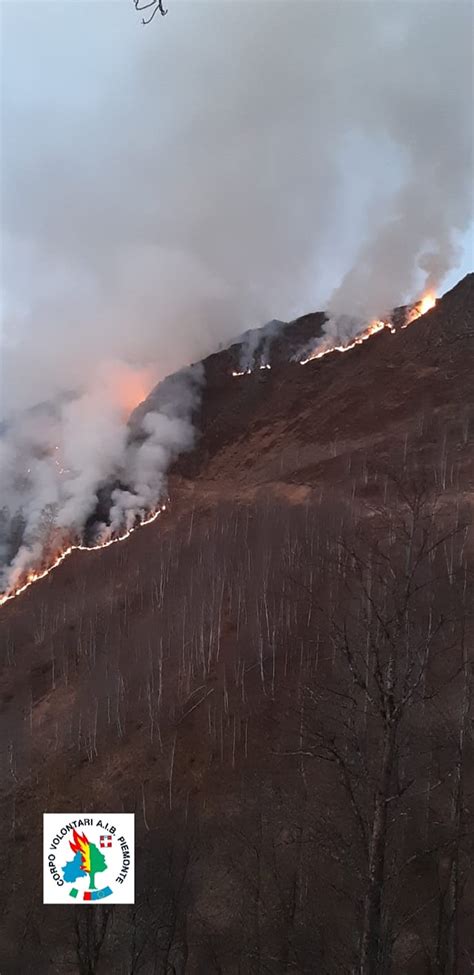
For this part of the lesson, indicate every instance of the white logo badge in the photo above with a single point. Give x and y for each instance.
(88, 858)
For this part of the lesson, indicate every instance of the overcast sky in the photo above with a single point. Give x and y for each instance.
(164, 188)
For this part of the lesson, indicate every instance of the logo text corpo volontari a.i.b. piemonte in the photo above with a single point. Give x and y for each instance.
(88, 858)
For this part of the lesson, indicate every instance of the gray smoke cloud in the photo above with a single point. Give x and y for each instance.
(164, 189)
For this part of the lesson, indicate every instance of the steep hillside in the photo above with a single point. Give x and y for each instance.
(237, 672)
(371, 398)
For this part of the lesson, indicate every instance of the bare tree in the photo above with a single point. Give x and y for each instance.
(91, 929)
(396, 639)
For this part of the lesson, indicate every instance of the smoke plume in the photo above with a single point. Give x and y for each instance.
(165, 188)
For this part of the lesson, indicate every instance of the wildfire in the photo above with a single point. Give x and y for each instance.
(247, 372)
(36, 574)
(422, 306)
(426, 303)
(376, 326)
(133, 391)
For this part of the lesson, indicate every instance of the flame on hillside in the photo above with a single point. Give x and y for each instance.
(133, 388)
(422, 306)
(425, 304)
(34, 575)
(247, 372)
(376, 326)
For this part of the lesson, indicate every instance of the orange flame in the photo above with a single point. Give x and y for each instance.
(376, 326)
(34, 575)
(425, 304)
(81, 845)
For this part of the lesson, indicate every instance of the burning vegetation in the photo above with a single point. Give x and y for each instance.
(426, 303)
(416, 311)
(327, 344)
(131, 390)
(27, 578)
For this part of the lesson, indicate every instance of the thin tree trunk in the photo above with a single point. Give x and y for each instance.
(371, 931)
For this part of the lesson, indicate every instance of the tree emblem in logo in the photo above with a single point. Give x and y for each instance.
(87, 862)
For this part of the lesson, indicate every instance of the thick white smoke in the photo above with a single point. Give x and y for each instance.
(165, 188)
(80, 445)
(160, 431)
